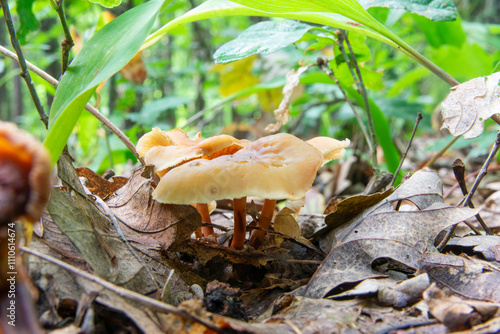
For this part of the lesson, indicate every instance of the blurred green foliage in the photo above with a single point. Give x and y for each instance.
(184, 87)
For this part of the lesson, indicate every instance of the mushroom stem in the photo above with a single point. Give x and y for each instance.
(240, 222)
(264, 222)
(205, 218)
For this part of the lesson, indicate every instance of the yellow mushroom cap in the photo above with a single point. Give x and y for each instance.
(330, 148)
(273, 167)
(151, 139)
(166, 157)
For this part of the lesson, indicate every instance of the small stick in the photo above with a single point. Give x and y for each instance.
(459, 171)
(264, 222)
(67, 43)
(361, 87)
(484, 170)
(468, 198)
(134, 296)
(96, 113)
(322, 64)
(22, 63)
(240, 222)
(440, 153)
(419, 118)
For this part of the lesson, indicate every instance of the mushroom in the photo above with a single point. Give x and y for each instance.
(330, 149)
(273, 167)
(168, 149)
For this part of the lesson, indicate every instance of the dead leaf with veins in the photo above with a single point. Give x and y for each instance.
(470, 104)
(282, 113)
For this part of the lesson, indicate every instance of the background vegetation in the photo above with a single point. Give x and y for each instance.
(183, 80)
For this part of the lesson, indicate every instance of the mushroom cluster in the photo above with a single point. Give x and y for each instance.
(169, 149)
(279, 166)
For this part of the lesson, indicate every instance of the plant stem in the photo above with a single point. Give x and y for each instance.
(362, 89)
(97, 114)
(322, 63)
(22, 62)
(419, 118)
(67, 43)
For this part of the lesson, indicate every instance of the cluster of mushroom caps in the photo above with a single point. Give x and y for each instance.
(199, 171)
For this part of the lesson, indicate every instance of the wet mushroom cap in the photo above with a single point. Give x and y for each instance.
(151, 139)
(166, 157)
(274, 167)
(330, 148)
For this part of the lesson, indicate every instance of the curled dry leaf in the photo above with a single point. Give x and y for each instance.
(282, 114)
(470, 104)
(382, 233)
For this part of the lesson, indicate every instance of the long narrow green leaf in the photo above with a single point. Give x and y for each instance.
(221, 8)
(343, 14)
(104, 54)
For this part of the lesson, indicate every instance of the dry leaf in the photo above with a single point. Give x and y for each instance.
(399, 237)
(470, 104)
(282, 114)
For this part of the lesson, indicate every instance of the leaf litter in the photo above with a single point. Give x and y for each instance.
(378, 266)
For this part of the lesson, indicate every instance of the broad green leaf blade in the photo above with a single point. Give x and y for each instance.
(104, 54)
(263, 37)
(221, 8)
(435, 10)
(343, 14)
(382, 130)
(107, 3)
(27, 19)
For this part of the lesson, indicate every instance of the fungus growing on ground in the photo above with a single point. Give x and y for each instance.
(168, 149)
(280, 166)
(330, 149)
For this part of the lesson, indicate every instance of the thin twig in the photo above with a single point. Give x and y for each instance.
(440, 153)
(459, 171)
(97, 114)
(322, 64)
(22, 62)
(361, 87)
(67, 43)
(467, 200)
(419, 118)
(134, 296)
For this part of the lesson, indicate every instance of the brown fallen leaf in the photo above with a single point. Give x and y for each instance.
(470, 104)
(487, 245)
(468, 277)
(382, 233)
(148, 222)
(282, 113)
(99, 186)
(457, 314)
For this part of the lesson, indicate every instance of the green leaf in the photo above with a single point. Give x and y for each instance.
(104, 54)
(107, 3)
(263, 37)
(27, 20)
(382, 130)
(343, 14)
(436, 10)
(442, 33)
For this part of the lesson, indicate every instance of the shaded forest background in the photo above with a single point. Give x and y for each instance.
(182, 80)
